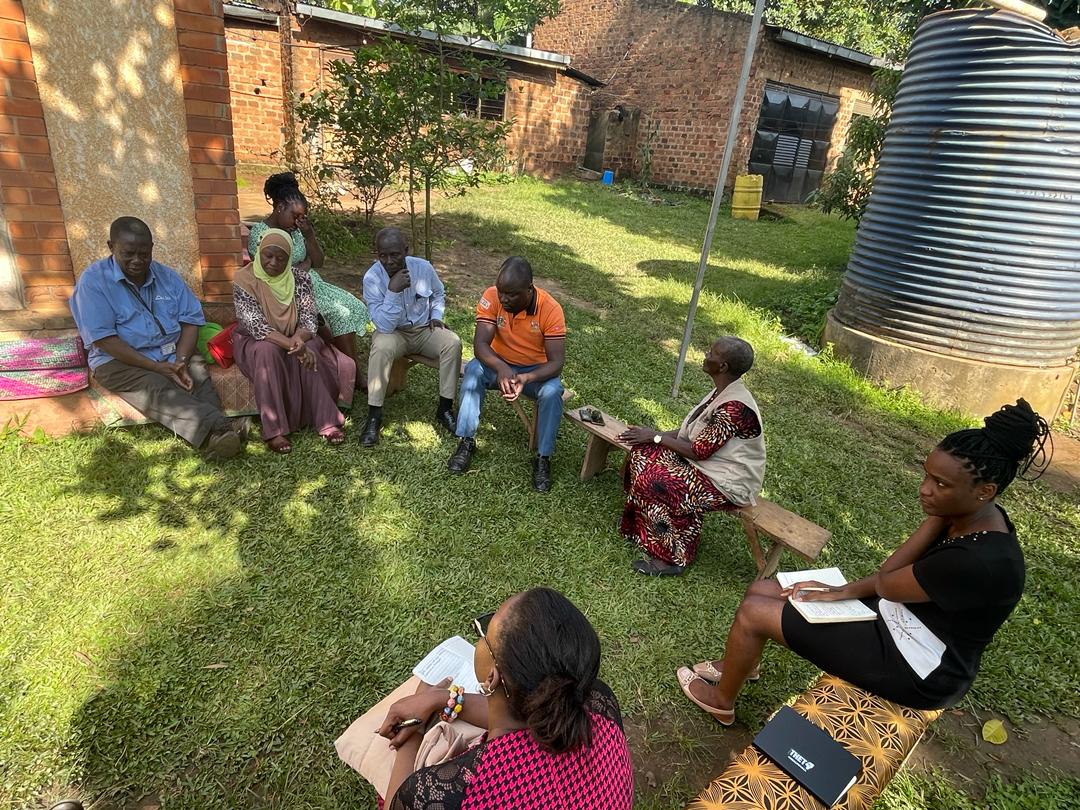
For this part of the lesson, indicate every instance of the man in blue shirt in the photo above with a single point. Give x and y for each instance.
(141, 322)
(406, 302)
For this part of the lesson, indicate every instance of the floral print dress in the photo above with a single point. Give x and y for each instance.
(667, 497)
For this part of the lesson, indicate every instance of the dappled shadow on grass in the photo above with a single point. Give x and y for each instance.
(799, 303)
(320, 578)
(683, 224)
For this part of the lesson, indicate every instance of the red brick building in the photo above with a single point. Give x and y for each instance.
(54, 202)
(669, 71)
(548, 101)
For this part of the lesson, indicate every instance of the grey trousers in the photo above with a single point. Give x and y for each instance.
(190, 415)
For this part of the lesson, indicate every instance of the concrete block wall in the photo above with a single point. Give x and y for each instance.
(42, 223)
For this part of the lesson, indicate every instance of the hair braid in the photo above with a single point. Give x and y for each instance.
(283, 188)
(1011, 443)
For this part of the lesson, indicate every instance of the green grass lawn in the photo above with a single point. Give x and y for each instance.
(200, 633)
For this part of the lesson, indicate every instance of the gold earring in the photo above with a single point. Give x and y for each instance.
(484, 690)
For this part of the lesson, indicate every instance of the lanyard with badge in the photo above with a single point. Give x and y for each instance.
(166, 348)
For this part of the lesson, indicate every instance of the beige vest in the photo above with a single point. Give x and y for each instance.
(738, 468)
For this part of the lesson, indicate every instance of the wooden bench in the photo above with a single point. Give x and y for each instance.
(882, 734)
(783, 528)
(399, 373)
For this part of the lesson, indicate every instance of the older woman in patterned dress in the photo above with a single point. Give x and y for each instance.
(716, 460)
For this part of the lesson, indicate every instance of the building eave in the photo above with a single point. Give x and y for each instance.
(787, 36)
(515, 53)
(250, 14)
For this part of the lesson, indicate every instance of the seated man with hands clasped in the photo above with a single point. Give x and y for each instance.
(140, 323)
(406, 301)
(520, 348)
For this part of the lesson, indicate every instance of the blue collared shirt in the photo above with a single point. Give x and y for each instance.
(104, 304)
(422, 301)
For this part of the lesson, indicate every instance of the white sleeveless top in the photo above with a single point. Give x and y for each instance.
(737, 469)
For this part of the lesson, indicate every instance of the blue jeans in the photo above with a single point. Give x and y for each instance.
(478, 379)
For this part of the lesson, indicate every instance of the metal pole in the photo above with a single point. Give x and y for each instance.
(718, 193)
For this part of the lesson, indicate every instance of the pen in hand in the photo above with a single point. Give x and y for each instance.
(412, 721)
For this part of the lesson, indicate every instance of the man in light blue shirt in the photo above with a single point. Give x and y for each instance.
(406, 301)
(141, 322)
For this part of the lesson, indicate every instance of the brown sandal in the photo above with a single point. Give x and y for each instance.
(686, 676)
(334, 437)
(279, 445)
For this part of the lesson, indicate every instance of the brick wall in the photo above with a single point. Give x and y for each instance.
(678, 65)
(551, 121)
(204, 69)
(550, 110)
(27, 179)
(255, 84)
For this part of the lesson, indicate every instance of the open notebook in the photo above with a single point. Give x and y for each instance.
(846, 610)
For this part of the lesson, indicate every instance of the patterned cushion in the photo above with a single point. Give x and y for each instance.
(880, 733)
(36, 367)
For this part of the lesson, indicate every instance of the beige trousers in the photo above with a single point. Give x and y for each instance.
(438, 344)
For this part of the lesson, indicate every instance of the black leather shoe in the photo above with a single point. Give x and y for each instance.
(657, 568)
(459, 462)
(541, 473)
(445, 420)
(67, 804)
(370, 436)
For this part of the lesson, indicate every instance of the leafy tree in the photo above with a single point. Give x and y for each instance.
(493, 20)
(399, 112)
(355, 124)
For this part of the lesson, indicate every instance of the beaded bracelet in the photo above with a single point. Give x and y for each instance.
(454, 703)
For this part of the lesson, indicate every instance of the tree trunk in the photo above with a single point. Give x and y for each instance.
(285, 51)
(427, 217)
(412, 206)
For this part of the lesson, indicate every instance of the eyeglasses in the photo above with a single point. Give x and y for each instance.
(481, 624)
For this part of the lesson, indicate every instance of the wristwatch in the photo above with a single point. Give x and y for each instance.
(657, 439)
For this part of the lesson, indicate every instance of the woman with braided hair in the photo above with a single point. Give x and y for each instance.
(344, 315)
(940, 597)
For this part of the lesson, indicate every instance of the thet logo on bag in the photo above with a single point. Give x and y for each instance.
(799, 760)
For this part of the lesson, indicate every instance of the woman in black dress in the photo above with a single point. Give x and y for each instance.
(940, 597)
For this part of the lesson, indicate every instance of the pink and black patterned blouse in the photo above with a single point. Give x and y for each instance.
(512, 771)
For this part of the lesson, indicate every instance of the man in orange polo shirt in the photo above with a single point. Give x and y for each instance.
(519, 348)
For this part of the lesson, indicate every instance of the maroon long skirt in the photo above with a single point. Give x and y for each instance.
(289, 396)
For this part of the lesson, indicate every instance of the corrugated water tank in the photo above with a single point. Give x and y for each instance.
(970, 244)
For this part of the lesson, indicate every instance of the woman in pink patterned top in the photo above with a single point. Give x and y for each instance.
(554, 732)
